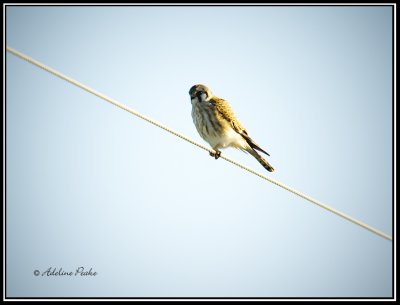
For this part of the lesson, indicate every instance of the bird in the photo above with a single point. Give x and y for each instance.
(217, 124)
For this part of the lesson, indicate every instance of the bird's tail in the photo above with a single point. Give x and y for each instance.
(260, 159)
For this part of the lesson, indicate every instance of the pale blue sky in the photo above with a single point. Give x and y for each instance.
(91, 185)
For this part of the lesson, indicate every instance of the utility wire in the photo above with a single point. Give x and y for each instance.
(126, 108)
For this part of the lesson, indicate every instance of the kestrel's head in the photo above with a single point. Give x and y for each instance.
(201, 92)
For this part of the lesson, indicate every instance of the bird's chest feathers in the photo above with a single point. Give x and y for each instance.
(202, 113)
(205, 119)
(212, 127)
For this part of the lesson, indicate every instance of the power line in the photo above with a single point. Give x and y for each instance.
(126, 108)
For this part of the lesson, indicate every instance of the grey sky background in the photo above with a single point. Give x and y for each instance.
(91, 185)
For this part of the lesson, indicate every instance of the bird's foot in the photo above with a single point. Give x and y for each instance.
(216, 155)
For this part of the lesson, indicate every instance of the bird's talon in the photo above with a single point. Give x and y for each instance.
(216, 155)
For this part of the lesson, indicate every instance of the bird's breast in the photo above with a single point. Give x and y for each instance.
(206, 120)
(212, 127)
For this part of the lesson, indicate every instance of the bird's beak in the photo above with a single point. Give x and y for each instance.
(192, 92)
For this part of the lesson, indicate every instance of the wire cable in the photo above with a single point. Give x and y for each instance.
(151, 121)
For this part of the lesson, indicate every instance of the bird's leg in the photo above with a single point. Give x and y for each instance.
(216, 155)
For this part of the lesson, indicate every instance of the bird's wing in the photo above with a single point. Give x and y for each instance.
(250, 141)
(226, 111)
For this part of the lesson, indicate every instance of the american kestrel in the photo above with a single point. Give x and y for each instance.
(217, 124)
